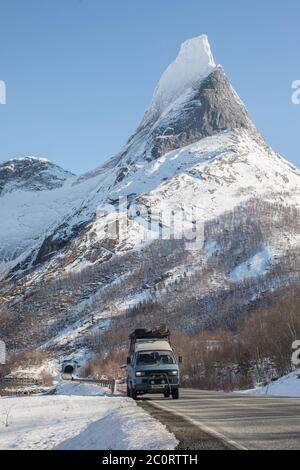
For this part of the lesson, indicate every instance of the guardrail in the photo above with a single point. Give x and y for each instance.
(121, 387)
(19, 381)
(105, 383)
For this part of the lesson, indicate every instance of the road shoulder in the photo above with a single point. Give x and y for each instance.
(189, 436)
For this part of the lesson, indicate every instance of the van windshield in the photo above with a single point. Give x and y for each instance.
(155, 357)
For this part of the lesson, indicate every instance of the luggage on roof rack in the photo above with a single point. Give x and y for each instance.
(161, 332)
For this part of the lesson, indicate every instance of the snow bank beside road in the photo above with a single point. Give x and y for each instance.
(80, 417)
(287, 386)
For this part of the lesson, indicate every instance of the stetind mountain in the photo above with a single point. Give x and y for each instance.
(63, 273)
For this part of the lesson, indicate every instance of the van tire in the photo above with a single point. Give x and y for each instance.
(175, 394)
(128, 391)
(133, 394)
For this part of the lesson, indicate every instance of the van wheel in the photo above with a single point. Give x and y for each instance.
(133, 394)
(175, 394)
(167, 393)
(128, 391)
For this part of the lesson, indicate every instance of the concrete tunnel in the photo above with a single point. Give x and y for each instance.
(68, 369)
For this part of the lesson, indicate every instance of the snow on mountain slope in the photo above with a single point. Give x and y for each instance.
(206, 179)
(183, 76)
(192, 100)
(35, 195)
(196, 151)
(226, 170)
(257, 265)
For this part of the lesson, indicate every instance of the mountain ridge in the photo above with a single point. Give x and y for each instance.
(31, 173)
(198, 150)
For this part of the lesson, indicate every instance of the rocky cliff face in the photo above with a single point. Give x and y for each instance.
(214, 108)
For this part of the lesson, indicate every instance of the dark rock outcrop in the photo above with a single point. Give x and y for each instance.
(214, 108)
(31, 174)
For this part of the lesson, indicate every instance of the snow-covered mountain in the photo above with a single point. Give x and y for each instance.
(197, 148)
(193, 100)
(30, 202)
(31, 174)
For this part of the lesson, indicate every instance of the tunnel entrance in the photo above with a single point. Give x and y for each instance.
(68, 369)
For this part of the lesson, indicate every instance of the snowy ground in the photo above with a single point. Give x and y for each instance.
(82, 417)
(287, 386)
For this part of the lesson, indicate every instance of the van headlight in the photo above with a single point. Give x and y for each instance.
(140, 374)
(173, 372)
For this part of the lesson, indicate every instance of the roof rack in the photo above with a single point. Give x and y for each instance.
(161, 332)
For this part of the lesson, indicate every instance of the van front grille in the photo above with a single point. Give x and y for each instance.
(156, 373)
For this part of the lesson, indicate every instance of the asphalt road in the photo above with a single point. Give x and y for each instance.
(242, 422)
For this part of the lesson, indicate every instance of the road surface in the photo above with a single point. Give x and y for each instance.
(242, 422)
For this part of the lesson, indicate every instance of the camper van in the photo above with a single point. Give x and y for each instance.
(152, 365)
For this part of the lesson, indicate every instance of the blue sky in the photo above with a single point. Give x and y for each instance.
(80, 73)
